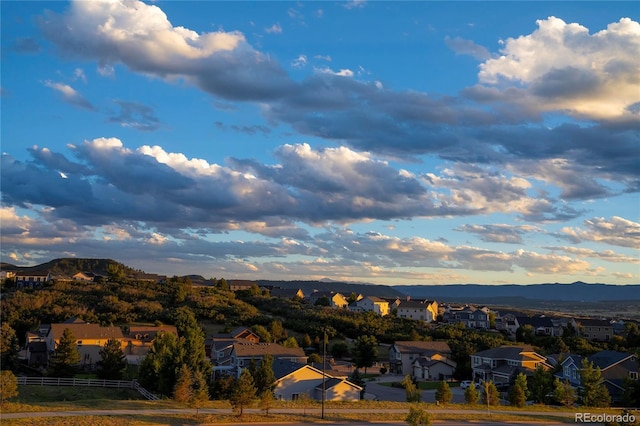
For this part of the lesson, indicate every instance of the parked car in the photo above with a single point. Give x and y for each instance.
(466, 383)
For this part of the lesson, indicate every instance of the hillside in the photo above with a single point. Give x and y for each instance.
(70, 266)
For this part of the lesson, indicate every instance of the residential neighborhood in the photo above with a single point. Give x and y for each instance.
(508, 343)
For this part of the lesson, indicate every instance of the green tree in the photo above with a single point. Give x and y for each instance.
(200, 388)
(66, 357)
(540, 384)
(593, 392)
(8, 385)
(443, 393)
(418, 416)
(471, 395)
(490, 395)
(525, 333)
(314, 358)
(278, 333)
(365, 352)
(262, 332)
(291, 342)
(9, 346)
(266, 402)
(323, 301)
(306, 341)
(518, 392)
(112, 361)
(412, 392)
(158, 370)
(339, 350)
(264, 378)
(244, 392)
(183, 389)
(563, 393)
(357, 379)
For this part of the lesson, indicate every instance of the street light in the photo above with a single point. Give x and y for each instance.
(324, 354)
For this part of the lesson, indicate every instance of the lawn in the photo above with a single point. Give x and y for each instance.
(425, 385)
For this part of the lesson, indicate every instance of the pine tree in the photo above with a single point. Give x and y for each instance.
(264, 378)
(9, 346)
(593, 391)
(541, 384)
(266, 402)
(182, 391)
(471, 395)
(244, 392)
(564, 393)
(443, 393)
(112, 361)
(200, 388)
(490, 395)
(518, 393)
(66, 358)
(412, 392)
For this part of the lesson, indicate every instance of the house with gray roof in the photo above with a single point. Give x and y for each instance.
(403, 353)
(503, 363)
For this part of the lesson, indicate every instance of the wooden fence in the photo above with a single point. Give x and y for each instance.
(96, 383)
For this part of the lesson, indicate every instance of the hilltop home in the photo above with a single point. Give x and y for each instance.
(242, 353)
(90, 338)
(470, 316)
(416, 311)
(295, 379)
(403, 353)
(595, 329)
(287, 293)
(31, 279)
(335, 300)
(616, 368)
(503, 363)
(139, 339)
(371, 304)
(436, 367)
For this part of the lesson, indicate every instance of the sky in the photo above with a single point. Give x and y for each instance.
(381, 142)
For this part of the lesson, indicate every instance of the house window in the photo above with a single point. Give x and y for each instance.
(79, 342)
(633, 375)
(295, 396)
(567, 372)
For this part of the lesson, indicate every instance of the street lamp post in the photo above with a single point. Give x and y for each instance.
(324, 355)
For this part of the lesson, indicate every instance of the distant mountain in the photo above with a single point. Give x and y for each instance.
(578, 291)
(70, 266)
(346, 288)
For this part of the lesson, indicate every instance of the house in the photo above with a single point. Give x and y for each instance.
(90, 339)
(37, 354)
(470, 316)
(403, 353)
(436, 367)
(31, 279)
(295, 379)
(242, 353)
(371, 304)
(138, 341)
(503, 363)
(81, 276)
(541, 325)
(238, 285)
(615, 367)
(415, 310)
(595, 329)
(335, 300)
(287, 293)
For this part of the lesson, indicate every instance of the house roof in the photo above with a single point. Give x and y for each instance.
(282, 368)
(426, 362)
(86, 331)
(411, 304)
(593, 322)
(284, 292)
(606, 359)
(334, 381)
(419, 347)
(535, 321)
(575, 358)
(376, 299)
(244, 349)
(150, 332)
(506, 352)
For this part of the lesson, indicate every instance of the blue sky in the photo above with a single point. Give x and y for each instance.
(383, 142)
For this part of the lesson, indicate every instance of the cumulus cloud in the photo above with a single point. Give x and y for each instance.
(563, 67)
(70, 95)
(616, 231)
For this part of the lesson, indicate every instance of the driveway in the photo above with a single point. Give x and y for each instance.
(377, 391)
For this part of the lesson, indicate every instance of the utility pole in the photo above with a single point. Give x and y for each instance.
(324, 355)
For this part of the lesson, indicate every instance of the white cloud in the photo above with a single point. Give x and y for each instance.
(69, 94)
(299, 62)
(563, 67)
(616, 231)
(274, 29)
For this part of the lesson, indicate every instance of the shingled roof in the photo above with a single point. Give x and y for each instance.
(419, 347)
